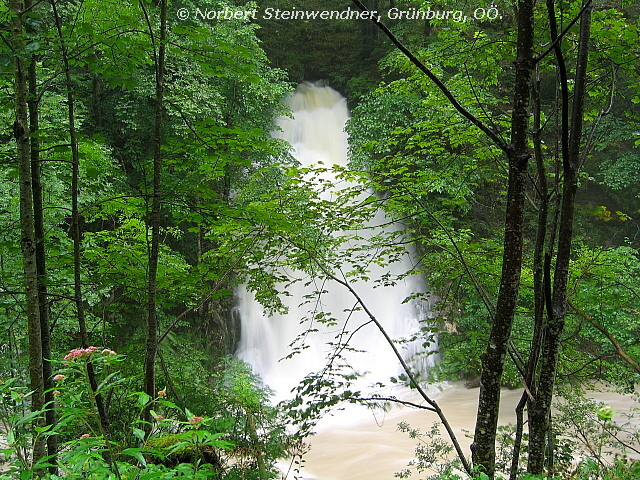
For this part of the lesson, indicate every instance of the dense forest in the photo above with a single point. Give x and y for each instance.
(142, 185)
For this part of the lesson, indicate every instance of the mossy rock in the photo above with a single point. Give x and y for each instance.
(187, 453)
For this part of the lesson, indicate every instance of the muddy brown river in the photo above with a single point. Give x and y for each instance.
(358, 445)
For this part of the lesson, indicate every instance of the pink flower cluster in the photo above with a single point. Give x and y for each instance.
(86, 352)
(80, 353)
(195, 420)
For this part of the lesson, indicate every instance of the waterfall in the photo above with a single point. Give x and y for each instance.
(317, 134)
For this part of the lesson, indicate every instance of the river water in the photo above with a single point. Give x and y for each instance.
(364, 446)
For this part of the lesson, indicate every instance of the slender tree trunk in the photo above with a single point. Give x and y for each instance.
(483, 448)
(540, 410)
(152, 314)
(76, 234)
(538, 283)
(27, 229)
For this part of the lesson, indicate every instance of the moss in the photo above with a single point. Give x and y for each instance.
(164, 444)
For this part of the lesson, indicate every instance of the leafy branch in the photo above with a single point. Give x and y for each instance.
(499, 142)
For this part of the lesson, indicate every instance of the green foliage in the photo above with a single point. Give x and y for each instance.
(583, 429)
(220, 445)
(432, 455)
(604, 283)
(236, 208)
(596, 431)
(221, 99)
(621, 469)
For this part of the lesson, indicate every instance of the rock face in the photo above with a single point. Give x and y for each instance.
(473, 383)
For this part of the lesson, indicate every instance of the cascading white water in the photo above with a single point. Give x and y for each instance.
(317, 135)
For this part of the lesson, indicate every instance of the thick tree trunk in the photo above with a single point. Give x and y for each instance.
(483, 448)
(27, 240)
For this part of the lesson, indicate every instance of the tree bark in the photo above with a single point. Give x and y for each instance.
(539, 284)
(27, 229)
(483, 448)
(41, 259)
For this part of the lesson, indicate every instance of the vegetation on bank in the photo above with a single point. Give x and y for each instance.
(140, 185)
(235, 434)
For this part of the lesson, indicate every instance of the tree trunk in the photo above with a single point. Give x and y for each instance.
(539, 417)
(152, 314)
(76, 234)
(483, 448)
(27, 240)
(41, 259)
(539, 283)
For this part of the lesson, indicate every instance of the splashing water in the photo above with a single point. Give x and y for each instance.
(317, 135)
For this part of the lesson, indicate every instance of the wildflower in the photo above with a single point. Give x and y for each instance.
(106, 351)
(162, 393)
(80, 352)
(85, 435)
(58, 377)
(605, 413)
(75, 353)
(159, 417)
(21, 395)
(195, 420)
(56, 393)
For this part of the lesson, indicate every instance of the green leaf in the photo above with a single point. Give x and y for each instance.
(143, 398)
(136, 453)
(138, 434)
